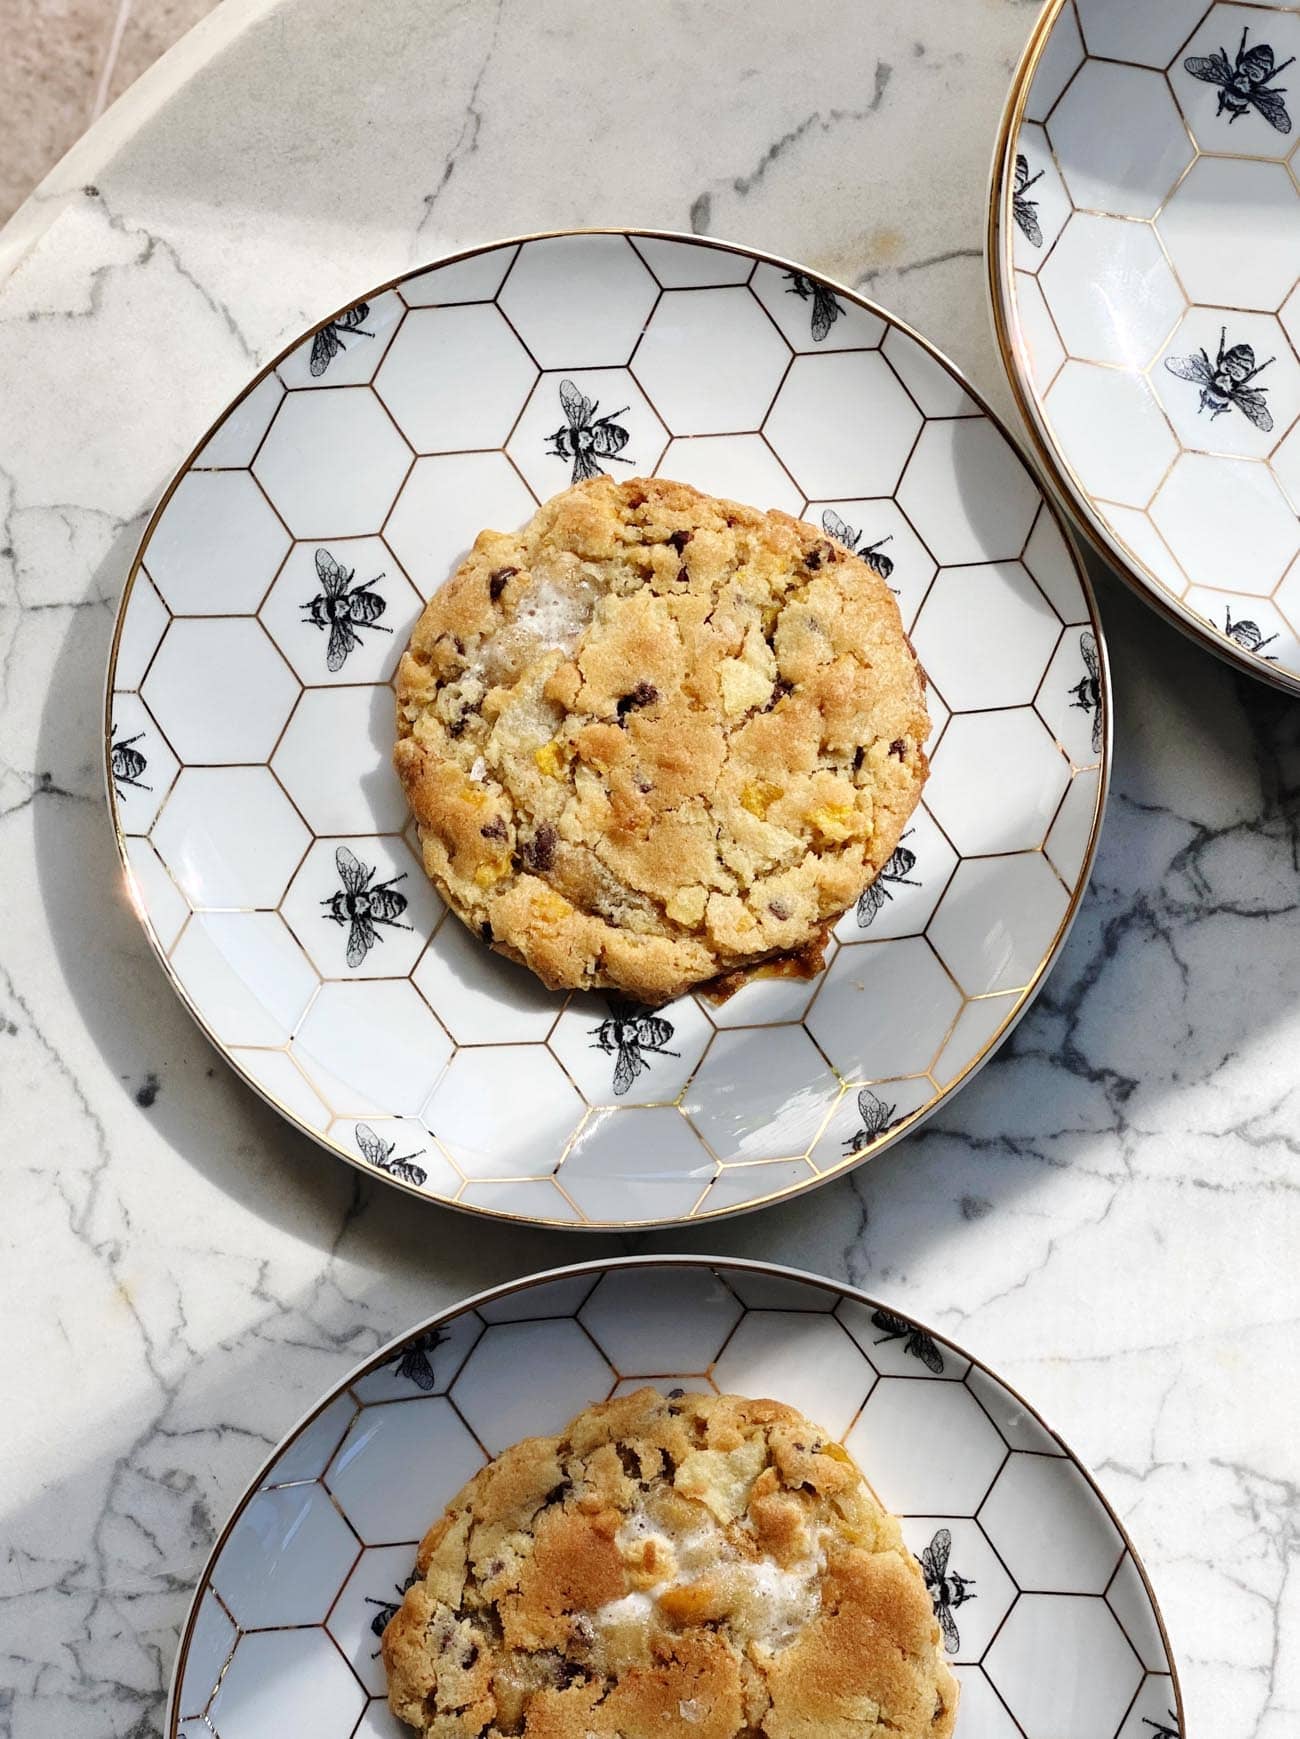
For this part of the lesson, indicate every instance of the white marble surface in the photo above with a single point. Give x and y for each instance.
(1109, 1214)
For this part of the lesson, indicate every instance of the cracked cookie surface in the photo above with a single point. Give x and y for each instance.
(702, 1565)
(656, 738)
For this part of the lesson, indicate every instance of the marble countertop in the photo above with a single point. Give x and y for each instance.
(1109, 1213)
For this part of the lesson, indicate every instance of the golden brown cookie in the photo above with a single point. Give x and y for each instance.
(705, 1565)
(655, 738)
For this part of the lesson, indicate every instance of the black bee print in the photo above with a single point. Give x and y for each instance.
(1087, 691)
(1246, 83)
(947, 1589)
(413, 1362)
(826, 308)
(379, 1153)
(835, 527)
(1024, 209)
(1226, 381)
(343, 608)
(871, 901)
(333, 338)
(629, 1034)
(387, 1610)
(127, 762)
(585, 437)
(876, 1117)
(1158, 1728)
(361, 905)
(917, 1342)
(1249, 635)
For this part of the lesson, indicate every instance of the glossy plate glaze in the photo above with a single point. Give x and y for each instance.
(1047, 1615)
(250, 722)
(1145, 252)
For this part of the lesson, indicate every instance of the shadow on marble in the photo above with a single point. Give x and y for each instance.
(1111, 1048)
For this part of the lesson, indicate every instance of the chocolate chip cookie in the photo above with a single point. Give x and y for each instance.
(655, 738)
(704, 1565)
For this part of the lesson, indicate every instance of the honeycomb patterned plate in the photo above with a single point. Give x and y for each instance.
(1145, 256)
(250, 720)
(1047, 1615)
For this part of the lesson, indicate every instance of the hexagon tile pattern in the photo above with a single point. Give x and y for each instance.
(1022, 1558)
(252, 722)
(1150, 267)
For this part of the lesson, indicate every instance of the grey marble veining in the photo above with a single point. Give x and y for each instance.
(1109, 1213)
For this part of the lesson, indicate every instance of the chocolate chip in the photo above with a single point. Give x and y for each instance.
(494, 829)
(820, 552)
(644, 694)
(457, 726)
(859, 756)
(469, 1656)
(497, 582)
(779, 909)
(682, 577)
(898, 749)
(538, 853)
(485, 932)
(679, 541)
(780, 688)
(459, 644)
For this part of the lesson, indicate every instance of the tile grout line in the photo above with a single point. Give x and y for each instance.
(100, 100)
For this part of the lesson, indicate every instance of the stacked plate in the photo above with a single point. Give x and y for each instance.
(1145, 252)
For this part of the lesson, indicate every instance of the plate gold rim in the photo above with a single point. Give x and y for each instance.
(905, 1125)
(999, 277)
(596, 1269)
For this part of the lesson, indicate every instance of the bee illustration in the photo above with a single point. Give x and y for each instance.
(413, 1362)
(826, 307)
(126, 762)
(1087, 691)
(917, 1342)
(1024, 209)
(628, 1035)
(835, 527)
(1243, 84)
(343, 608)
(361, 906)
(871, 901)
(1158, 1728)
(388, 1609)
(947, 1589)
(877, 1117)
(1226, 381)
(379, 1153)
(333, 338)
(585, 437)
(1249, 636)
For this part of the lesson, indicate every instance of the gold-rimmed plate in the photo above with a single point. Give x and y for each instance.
(1047, 1615)
(1144, 252)
(250, 720)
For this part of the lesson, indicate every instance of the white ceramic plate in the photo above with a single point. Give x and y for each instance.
(1050, 1622)
(1145, 252)
(250, 722)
